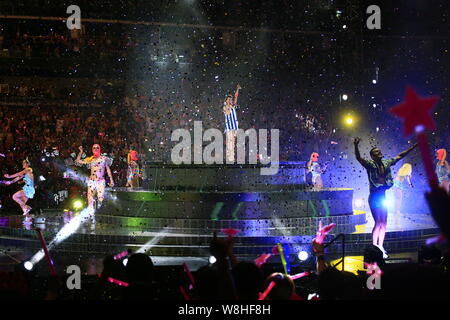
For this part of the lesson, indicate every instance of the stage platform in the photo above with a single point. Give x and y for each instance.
(176, 222)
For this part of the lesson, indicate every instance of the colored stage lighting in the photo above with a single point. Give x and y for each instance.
(303, 255)
(65, 232)
(28, 265)
(388, 203)
(77, 204)
(349, 120)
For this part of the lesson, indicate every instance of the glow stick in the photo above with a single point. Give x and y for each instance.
(283, 259)
(436, 239)
(262, 259)
(47, 255)
(267, 291)
(121, 255)
(299, 275)
(183, 292)
(118, 282)
(189, 274)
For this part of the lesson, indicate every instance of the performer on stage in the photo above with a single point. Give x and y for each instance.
(133, 173)
(316, 171)
(231, 123)
(403, 177)
(380, 180)
(96, 184)
(27, 192)
(443, 169)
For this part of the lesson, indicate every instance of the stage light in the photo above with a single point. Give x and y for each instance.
(65, 232)
(77, 204)
(150, 244)
(388, 203)
(344, 26)
(374, 105)
(378, 129)
(344, 97)
(125, 261)
(212, 260)
(43, 159)
(359, 203)
(41, 178)
(28, 265)
(303, 255)
(349, 120)
(374, 81)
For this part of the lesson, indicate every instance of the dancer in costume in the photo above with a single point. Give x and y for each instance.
(231, 123)
(27, 192)
(403, 177)
(133, 172)
(316, 171)
(443, 169)
(96, 184)
(380, 180)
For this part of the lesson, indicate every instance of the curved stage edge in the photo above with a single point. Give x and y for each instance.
(177, 216)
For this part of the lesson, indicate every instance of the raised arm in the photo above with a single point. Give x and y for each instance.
(78, 160)
(13, 181)
(363, 162)
(403, 154)
(309, 164)
(19, 174)
(236, 94)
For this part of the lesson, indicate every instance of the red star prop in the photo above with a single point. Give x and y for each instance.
(415, 111)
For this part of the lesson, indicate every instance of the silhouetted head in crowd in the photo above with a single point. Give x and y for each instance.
(248, 280)
(414, 281)
(139, 268)
(206, 283)
(339, 285)
(284, 287)
(113, 268)
(139, 273)
(373, 254)
(430, 255)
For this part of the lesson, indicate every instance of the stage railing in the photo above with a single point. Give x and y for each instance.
(341, 235)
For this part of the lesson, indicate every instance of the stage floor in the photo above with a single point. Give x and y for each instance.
(404, 222)
(54, 221)
(412, 228)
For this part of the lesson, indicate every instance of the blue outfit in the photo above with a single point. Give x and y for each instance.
(442, 173)
(379, 180)
(315, 170)
(400, 184)
(29, 187)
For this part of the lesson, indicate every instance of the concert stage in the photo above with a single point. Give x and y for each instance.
(181, 207)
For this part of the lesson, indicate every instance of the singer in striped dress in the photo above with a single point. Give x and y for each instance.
(231, 123)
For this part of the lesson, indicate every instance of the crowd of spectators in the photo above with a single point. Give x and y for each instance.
(230, 279)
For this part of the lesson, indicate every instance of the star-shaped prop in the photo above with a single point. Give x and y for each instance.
(323, 231)
(415, 112)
